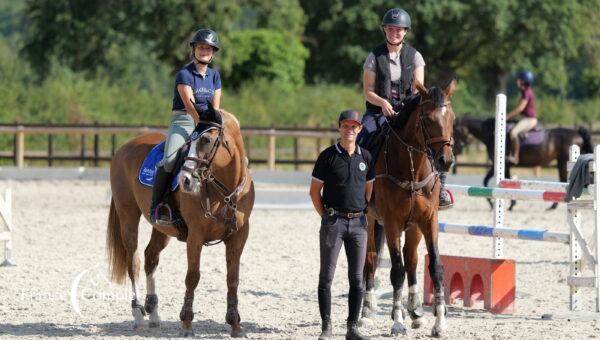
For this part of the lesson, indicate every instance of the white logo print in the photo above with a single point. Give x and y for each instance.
(362, 166)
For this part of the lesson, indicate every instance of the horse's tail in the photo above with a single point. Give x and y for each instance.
(115, 249)
(587, 146)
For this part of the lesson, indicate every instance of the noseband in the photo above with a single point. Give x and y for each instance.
(203, 173)
(204, 164)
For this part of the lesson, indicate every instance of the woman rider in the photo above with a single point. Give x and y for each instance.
(525, 108)
(389, 72)
(196, 86)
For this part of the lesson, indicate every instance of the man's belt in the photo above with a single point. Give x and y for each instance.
(333, 212)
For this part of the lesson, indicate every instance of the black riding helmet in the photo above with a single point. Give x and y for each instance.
(206, 36)
(396, 17)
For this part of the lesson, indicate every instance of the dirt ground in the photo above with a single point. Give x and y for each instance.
(60, 287)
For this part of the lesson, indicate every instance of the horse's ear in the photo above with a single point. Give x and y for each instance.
(422, 90)
(449, 90)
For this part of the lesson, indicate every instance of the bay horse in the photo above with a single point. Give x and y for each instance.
(215, 198)
(406, 200)
(555, 146)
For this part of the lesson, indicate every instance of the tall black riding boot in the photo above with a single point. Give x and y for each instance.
(445, 199)
(161, 184)
(353, 333)
(326, 331)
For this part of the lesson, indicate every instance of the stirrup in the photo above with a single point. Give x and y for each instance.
(451, 199)
(156, 215)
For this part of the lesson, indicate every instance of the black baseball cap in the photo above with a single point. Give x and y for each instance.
(350, 115)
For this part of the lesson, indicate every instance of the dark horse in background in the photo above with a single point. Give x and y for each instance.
(406, 200)
(555, 146)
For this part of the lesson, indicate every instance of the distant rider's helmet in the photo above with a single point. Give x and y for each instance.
(396, 17)
(526, 77)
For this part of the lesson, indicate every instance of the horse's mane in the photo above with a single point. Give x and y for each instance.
(228, 116)
(437, 96)
(410, 104)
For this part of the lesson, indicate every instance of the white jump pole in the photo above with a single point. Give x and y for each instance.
(576, 262)
(499, 156)
(6, 220)
(597, 222)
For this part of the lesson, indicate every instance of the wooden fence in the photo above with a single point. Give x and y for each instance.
(20, 153)
(84, 155)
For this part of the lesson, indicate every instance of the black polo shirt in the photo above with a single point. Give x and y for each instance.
(344, 177)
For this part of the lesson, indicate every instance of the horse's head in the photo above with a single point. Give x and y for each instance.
(201, 153)
(435, 123)
(460, 134)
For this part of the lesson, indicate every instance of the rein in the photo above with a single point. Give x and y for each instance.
(424, 147)
(203, 173)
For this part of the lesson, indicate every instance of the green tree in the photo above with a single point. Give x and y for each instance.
(339, 35)
(476, 39)
(285, 16)
(81, 33)
(497, 38)
(265, 54)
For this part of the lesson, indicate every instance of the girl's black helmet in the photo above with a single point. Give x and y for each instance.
(396, 17)
(206, 36)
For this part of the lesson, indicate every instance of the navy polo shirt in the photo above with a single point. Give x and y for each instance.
(203, 86)
(344, 177)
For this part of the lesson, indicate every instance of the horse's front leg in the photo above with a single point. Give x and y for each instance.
(158, 241)
(397, 275)
(411, 260)
(370, 299)
(194, 248)
(436, 271)
(234, 246)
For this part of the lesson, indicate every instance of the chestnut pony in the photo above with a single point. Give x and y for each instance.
(406, 201)
(215, 198)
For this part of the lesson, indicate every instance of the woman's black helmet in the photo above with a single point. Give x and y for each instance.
(206, 36)
(396, 17)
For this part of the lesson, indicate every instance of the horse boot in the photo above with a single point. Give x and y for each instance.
(161, 183)
(353, 333)
(445, 198)
(326, 331)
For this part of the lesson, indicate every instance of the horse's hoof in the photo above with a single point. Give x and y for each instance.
(154, 321)
(398, 329)
(417, 323)
(438, 332)
(186, 333)
(366, 322)
(138, 326)
(238, 333)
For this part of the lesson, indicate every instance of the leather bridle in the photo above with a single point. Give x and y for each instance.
(203, 173)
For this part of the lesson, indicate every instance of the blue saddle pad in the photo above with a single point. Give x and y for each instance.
(148, 168)
(534, 136)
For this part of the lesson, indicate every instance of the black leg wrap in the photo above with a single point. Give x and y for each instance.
(187, 309)
(135, 304)
(151, 303)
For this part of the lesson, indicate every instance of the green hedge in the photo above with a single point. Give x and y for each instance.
(140, 93)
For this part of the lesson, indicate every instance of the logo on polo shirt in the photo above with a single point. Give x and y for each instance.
(362, 166)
